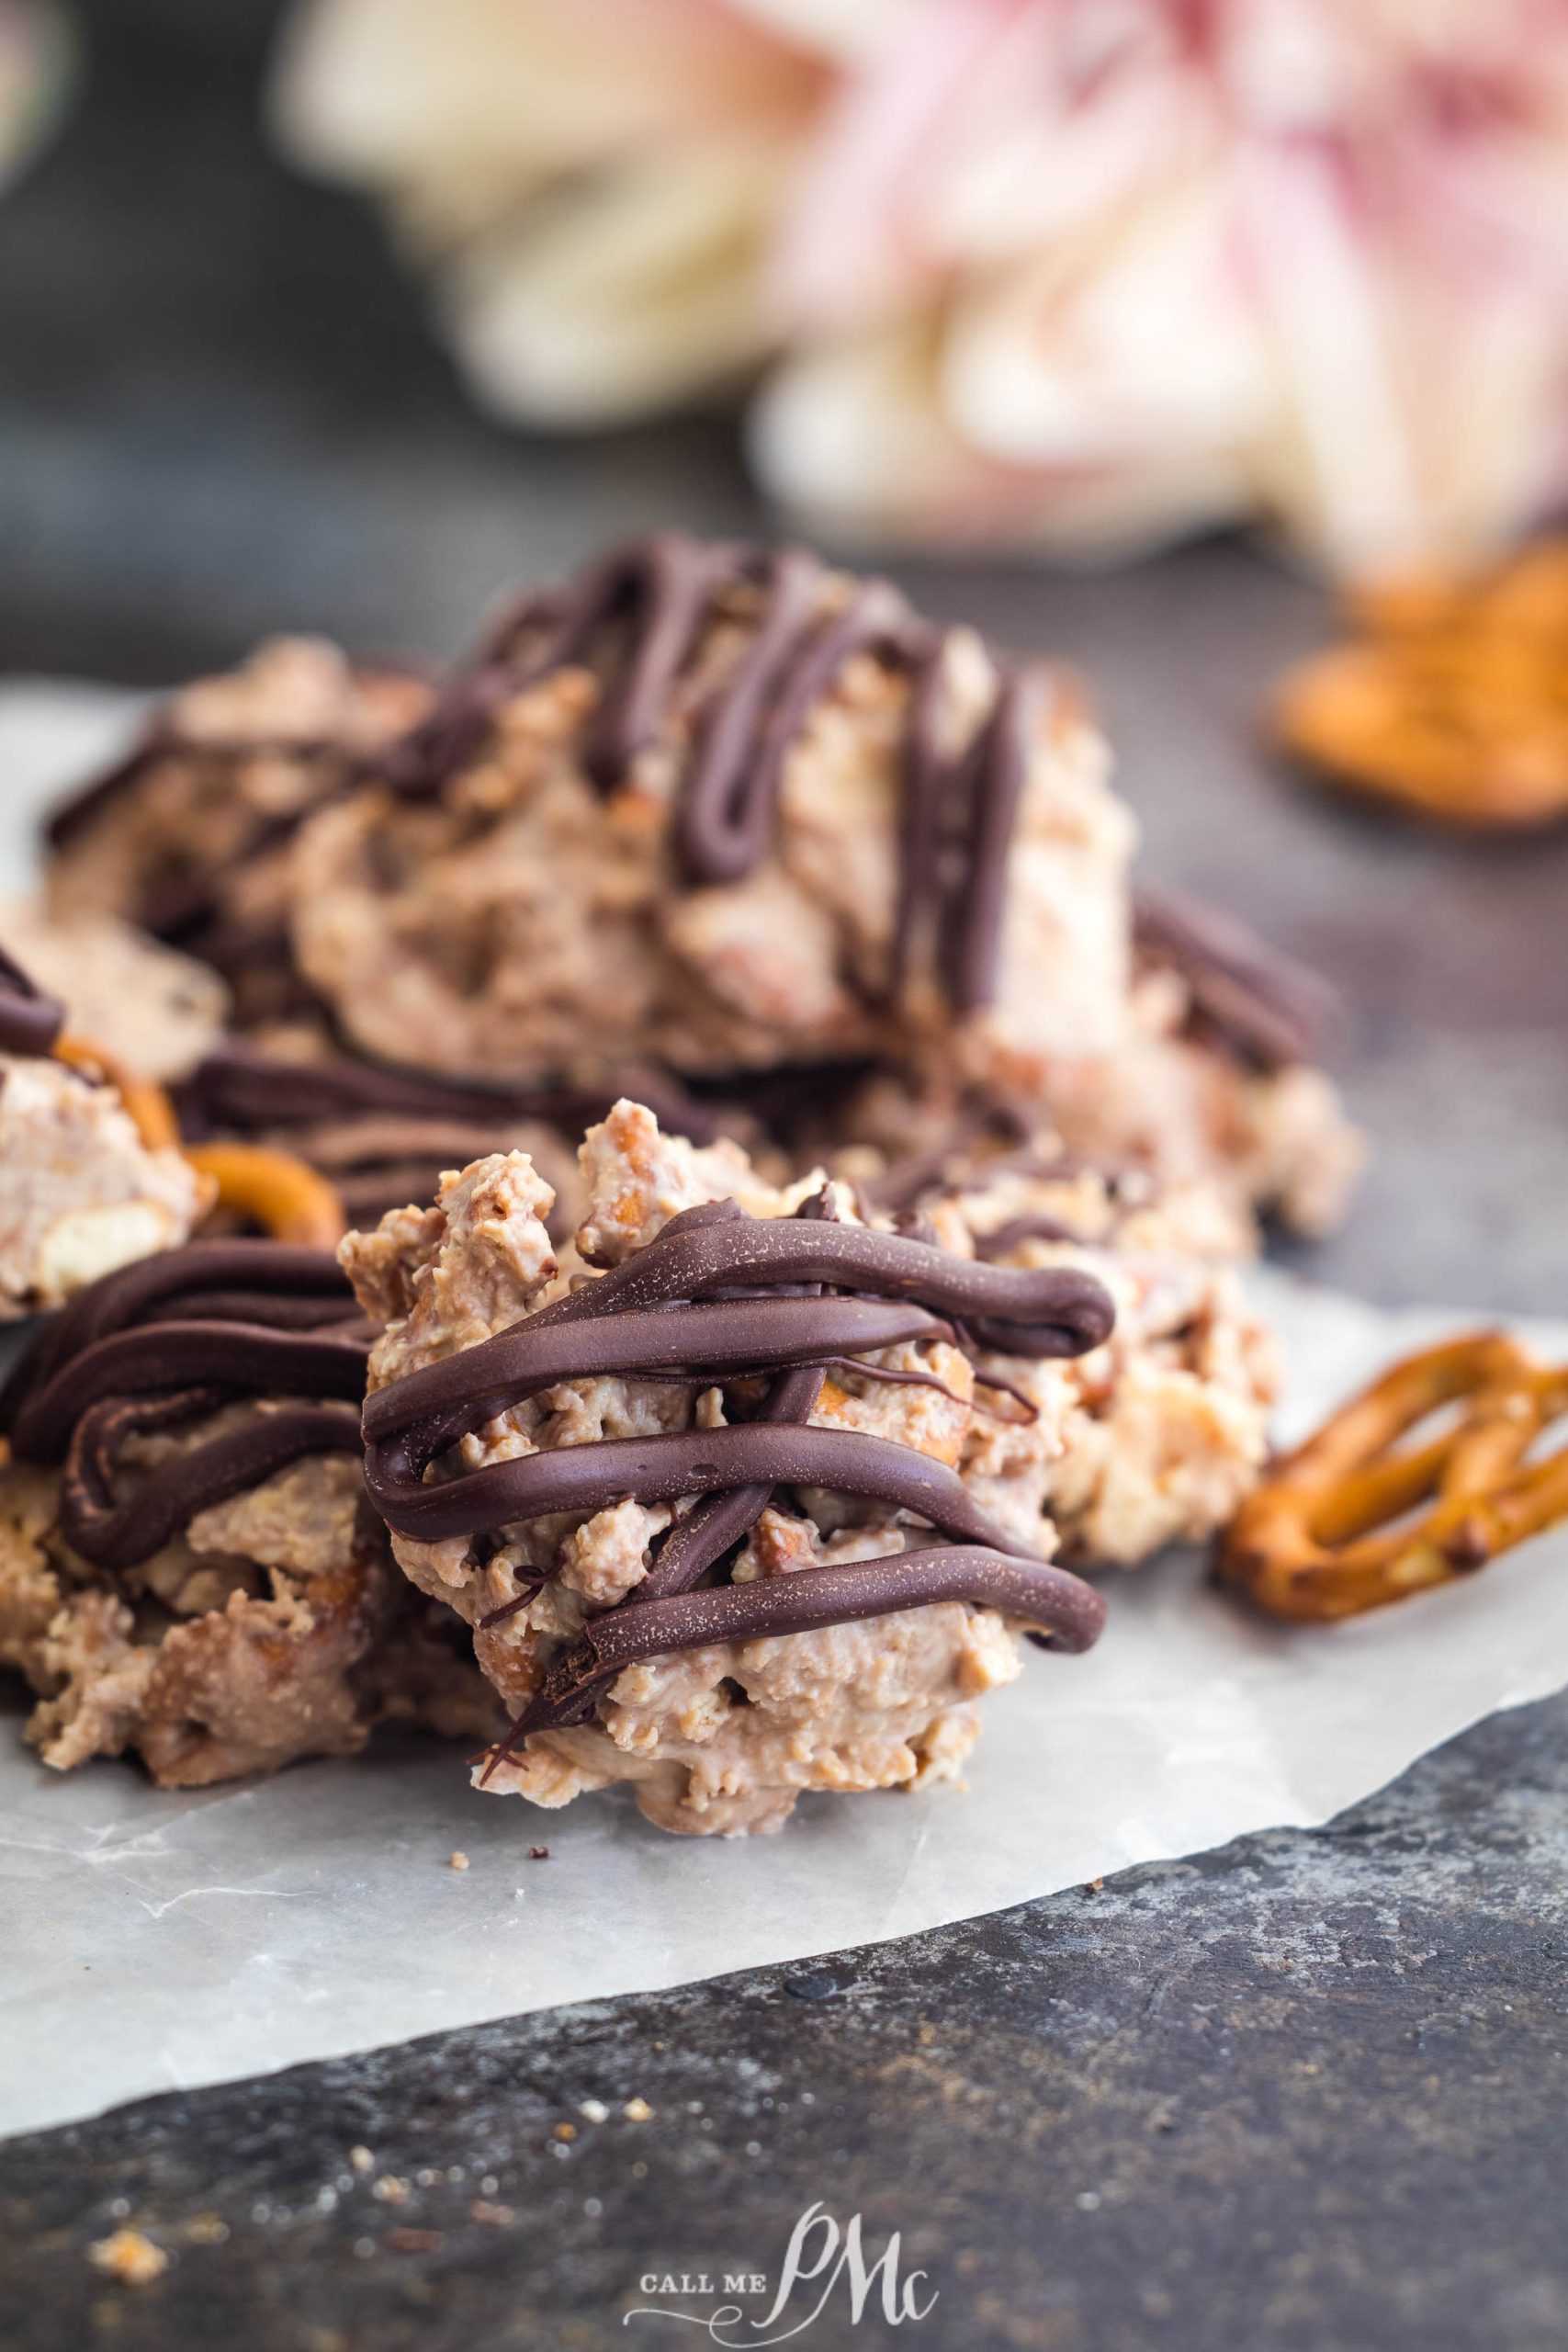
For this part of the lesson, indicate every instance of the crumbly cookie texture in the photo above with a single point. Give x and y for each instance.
(1167, 1425)
(153, 1009)
(525, 921)
(80, 1194)
(272, 1628)
(1247, 1143)
(1152, 1439)
(191, 838)
(615, 850)
(1276, 1141)
(1168, 1419)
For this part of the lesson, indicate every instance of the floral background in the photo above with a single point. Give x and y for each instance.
(1067, 276)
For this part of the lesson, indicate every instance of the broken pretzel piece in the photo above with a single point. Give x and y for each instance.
(1329, 1533)
(1454, 701)
(147, 1106)
(281, 1193)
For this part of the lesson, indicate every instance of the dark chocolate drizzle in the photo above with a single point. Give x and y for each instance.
(384, 1136)
(242, 1089)
(1266, 1010)
(171, 1342)
(29, 1021)
(724, 1298)
(640, 616)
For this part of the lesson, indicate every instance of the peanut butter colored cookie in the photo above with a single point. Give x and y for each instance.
(188, 1569)
(747, 1493)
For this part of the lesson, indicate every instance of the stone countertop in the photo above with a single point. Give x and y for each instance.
(1305, 2092)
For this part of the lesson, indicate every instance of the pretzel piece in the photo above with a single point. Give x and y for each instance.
(1453, 702)
(151, 1111)
(282, 1194)
(1328, 1532)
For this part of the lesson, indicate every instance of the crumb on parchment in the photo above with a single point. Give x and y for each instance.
(129, 2257)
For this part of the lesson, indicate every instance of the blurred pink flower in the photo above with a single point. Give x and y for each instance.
(1065, 274)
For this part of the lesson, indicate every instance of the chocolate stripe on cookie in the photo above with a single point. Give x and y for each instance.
(266, 1283)
(1050, 1311)
(240, 1358)
(1268, 1011)
(384, 1136)
(1065, 1611)
(118, 1535)
(29, 1021)
(242, 1088)
(721, 1297)
(661, 1469)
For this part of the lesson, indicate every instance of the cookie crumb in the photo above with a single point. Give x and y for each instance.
(638, 2110)
(459, 1860)
(129, 2257)
(390, 2189)
(1095, 1886)
(564, 2132)
(497, 2216)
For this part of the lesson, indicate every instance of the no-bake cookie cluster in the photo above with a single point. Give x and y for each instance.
(793, 1184)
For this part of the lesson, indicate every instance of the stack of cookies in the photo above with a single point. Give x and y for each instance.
(792, 1185)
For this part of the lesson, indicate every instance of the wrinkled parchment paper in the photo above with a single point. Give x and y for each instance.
(152, 1942)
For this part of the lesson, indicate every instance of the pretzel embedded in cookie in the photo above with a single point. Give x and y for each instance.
(1329, 1532)
(147, 1105)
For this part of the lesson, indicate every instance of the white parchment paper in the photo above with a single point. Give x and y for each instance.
(151, 1942)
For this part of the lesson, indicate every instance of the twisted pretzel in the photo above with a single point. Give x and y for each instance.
(1328, 1533)
(282, 1194)
(1454, 701)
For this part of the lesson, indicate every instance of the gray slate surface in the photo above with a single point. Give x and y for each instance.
(1315, 2083)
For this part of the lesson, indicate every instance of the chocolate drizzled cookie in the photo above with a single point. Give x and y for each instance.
(165, 1345)
(759, 1310)
(642, 612)
(188, 1567)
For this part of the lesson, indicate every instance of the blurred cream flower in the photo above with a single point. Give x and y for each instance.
(1069, 274)
(36, 58)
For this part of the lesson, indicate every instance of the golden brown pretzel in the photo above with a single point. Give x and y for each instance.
(1453, 702)
(282, 1194)
(1329, 1533)
(151, 1111)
